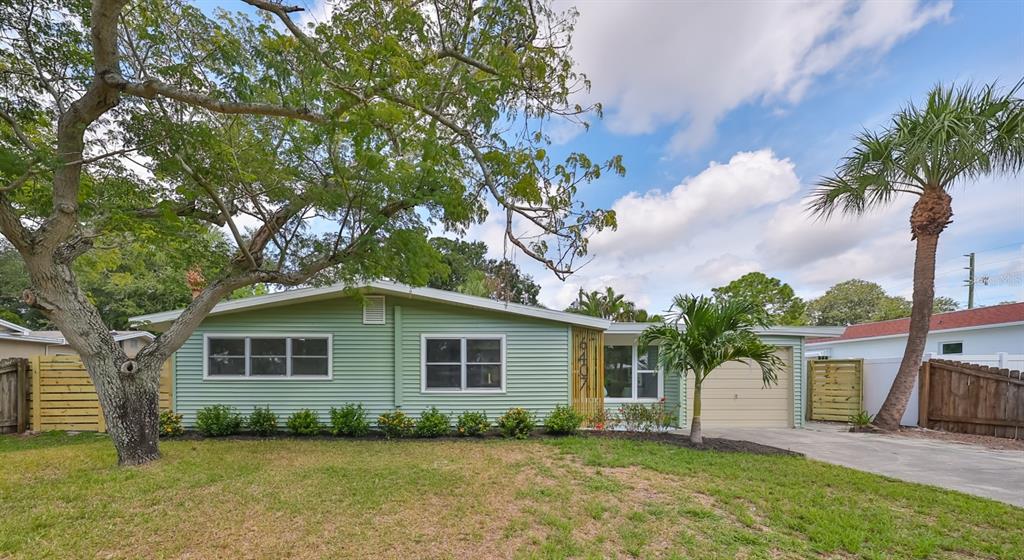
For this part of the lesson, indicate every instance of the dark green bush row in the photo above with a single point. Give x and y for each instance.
(350, 420)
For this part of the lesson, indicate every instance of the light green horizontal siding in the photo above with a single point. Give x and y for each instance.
(536, 363)
(364, 358)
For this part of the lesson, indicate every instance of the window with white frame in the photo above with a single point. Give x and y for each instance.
(630, 375)
(235, 356)
(464, 363)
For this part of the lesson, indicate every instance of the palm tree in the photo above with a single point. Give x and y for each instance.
(959, 135)
(703, 334)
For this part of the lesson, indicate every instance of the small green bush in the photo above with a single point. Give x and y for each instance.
(349, 420)
(862, 419)
(304, 423)
(601, 420)
(472, 423)
(517, 423)
(563, 420)
(433, 423)
(395, 424)
(262, 421)
(170, 424)
(637, 417)
(218, 420)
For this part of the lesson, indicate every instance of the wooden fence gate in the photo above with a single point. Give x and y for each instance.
(55, 393)
(971, 399)
(13, 387)
(837, 389)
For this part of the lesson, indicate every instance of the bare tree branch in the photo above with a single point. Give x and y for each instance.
(223, 209)
(18, 132)
(151, 88)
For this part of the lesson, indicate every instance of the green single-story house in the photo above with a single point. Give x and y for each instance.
(389, 346)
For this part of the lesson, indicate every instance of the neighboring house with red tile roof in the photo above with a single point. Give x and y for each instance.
(983, 330)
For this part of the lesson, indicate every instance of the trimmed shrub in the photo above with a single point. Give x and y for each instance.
(563, 420)
(433, 423)
(218, 420)
(170, 424)
(601, 420)
(517, 423)
(349, 420)
(395, 424)
(304, 423)
(473, 423)
(637, 417)
(262, 421)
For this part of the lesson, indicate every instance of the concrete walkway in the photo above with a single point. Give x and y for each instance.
(990, 473)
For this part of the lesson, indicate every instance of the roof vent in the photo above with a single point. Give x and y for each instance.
(373, 310)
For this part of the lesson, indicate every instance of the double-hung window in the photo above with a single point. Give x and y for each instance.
(267, 357)
(631, 375)
(463, 363)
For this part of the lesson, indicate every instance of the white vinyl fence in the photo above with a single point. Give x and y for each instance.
(879, 373)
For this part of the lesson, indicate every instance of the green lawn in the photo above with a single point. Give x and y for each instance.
(61, 497)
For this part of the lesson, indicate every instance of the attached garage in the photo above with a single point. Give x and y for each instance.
(734, 395)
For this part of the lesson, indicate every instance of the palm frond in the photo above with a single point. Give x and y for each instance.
(959, 133)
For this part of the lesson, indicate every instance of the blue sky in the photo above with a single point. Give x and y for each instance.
(727, 112)
(803, 100)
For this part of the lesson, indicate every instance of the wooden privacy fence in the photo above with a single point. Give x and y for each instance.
(837, 389)
(971, 399)
(55, 393)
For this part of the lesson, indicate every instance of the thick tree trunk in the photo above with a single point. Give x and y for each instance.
(696, 437)
(131, 408)
(931, 215)
(128, 389)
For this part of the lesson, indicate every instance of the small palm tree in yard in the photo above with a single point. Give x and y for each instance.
(959, 135)
(702, 334)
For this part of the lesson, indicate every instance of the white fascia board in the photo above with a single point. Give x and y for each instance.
(15, 327)
(392, 288)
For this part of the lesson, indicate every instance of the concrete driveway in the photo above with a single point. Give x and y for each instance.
(990, 473)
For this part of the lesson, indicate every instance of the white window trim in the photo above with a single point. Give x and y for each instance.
(248, 356)
(462, 364)
(636, 377)
(963, 347)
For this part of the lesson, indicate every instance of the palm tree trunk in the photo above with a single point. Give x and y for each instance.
(895, 404)
(695, 434)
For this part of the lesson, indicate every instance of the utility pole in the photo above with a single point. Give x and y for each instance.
(970, 280)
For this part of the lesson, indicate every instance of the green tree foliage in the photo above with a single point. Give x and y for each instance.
(127, 276)
(329, 152)
(859, 301)
(610, 305)
(772, 295)
(469, 271)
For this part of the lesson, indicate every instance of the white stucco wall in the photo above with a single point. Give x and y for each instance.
(976, 340)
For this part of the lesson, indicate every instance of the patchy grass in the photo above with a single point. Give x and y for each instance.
(62, 497)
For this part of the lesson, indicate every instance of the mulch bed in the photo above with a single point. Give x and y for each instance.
(710, 444)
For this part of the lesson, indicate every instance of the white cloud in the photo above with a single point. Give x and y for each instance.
(687, 64)
(721, 192)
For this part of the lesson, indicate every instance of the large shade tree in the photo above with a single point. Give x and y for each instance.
(702, 334)
(326, 152)
(926, 151)
(773, 296)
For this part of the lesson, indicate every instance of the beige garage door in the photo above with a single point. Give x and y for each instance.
(733, 396)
